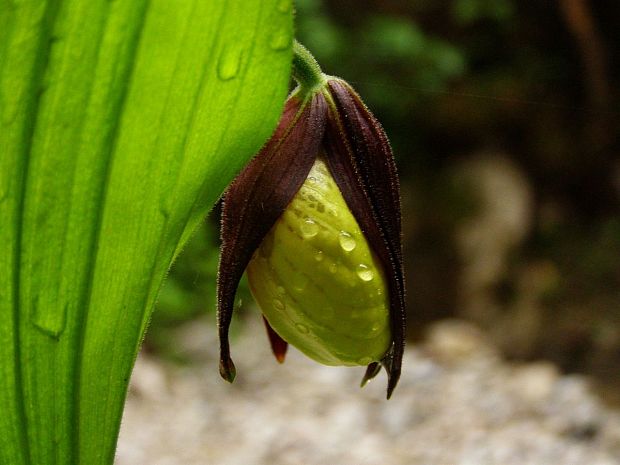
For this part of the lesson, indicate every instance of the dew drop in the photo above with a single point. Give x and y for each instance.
(333, 268)
(311, 179)
(281, 39)
(364, 272)
(50, 320)
(309, 228)
(301, 328)
(284, 6)
(346, 241)
(278, 304)
(300, 281)
(319, 256)
(229, 63)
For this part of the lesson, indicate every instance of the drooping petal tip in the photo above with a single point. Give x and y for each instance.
(227, 369)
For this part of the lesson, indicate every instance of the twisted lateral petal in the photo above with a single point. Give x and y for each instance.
(361, 160)
(259, 196)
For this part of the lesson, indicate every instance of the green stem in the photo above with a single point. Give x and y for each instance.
(306, 71)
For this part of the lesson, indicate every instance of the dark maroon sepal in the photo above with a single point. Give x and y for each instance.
(258, 197)
(361, 161)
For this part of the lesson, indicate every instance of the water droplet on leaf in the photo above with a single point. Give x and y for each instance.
(284, 6)
(281, 39)
(229, 63)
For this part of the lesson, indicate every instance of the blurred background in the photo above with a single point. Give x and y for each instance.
(504, 119)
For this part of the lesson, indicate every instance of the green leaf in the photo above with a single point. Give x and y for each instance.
(121, 122)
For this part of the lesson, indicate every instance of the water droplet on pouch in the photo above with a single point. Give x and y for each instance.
(301, 328)
(278, 304)
(319, 256)
(346, 241)
(333, 268)
(311, 179)
(309, 228)
(280, 290)
(364, 272)
(300, 281)
(229, 63)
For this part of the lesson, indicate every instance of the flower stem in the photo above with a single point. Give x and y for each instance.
(306, 71)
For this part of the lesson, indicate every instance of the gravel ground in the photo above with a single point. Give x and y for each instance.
(457, 403)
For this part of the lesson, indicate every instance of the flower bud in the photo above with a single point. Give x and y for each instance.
(316, 280)
(315, 218)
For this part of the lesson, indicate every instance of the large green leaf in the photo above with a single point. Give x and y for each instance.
(121, 122)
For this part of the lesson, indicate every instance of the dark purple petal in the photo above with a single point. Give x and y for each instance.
(361, 161)
(259, 196)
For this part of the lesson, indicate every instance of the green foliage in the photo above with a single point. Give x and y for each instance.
(121, 124)
(390, 59)
(470, 11)
(190, 287)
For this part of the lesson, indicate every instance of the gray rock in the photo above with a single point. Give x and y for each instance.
(457, 403)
